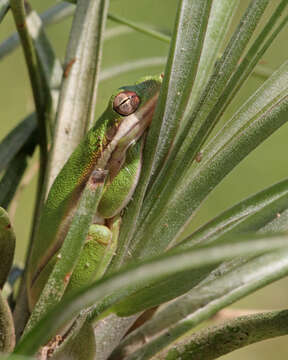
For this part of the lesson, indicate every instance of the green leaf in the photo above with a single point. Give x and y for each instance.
(221, 15)
(183, 60)
(256, 120)
(249, 61)
(202, 120)
(161, 290)
(199, 304)
(261, 211)
(252, 214)
(185, 50)
(7, 246)
(131, 277)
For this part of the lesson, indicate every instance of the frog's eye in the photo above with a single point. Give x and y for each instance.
(126, 103)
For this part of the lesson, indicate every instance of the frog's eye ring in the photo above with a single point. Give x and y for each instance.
(126, 103)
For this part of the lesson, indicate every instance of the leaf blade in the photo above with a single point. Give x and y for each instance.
(84, 298)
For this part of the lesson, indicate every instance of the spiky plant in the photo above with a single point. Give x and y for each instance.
(169, 283)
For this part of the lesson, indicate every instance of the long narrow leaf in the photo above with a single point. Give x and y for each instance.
(149, 295)
(185, 50)
(258, 118)
(199, 125)
(262, 211)
(180, 72)
(65, 311)
(204, 301)
(222, 12)
(251, 214)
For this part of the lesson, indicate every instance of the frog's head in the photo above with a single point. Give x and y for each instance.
(133, 98)
(133, 108)
(130, 111)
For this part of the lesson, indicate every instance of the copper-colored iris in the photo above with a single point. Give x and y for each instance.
(126, 103)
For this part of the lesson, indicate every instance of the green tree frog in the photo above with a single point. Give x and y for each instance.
(114, 144)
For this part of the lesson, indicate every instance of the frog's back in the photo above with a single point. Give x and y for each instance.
(63, 198)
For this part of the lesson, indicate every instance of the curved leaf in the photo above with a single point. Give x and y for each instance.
(162, 290)
(251, 214)
(126, 279)
(183, 314)
(264, 211)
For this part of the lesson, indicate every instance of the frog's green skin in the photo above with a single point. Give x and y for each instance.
(105, 147)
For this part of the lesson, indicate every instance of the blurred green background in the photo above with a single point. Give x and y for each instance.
(266, 165)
